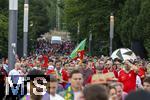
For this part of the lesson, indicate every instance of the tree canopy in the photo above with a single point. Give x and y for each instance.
(131, 21)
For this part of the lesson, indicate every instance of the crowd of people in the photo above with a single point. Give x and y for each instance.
(44, 46)
(49, 74)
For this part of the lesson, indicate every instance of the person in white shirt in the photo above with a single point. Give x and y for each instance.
(14, 80)
(14, 75)
(138, 82)
(51, 93)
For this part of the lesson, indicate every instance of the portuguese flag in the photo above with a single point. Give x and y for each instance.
(78, 52)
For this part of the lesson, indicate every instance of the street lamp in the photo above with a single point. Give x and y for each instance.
(78, 32)
(90, 43)
(12, 38)
(111, 32)
(58, 15)
(25, 28)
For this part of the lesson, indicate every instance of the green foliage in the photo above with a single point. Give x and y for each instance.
(3, 27)
(51, 12)
(39, 22)
(3, 34)
(142, 25)
(93, 15)
(131, 22)
(127, 21)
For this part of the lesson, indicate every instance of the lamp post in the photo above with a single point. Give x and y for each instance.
(12, 38)
(90, 44)
(78, 32)
(25, 28)
(111, 32)
(58, 15)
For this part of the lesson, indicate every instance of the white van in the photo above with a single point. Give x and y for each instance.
(56, 40)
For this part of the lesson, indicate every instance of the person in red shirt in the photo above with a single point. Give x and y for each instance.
(105, 70)
(45, 61)
(93, 68)
(115, 73)
(65, 77)
(87, 71)
(127, 76)
(141, 71)
(61, 73)
(110, 68)
(107, 66)
(50, 68)
(116, 67)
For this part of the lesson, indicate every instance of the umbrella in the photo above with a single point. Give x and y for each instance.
(123, 54)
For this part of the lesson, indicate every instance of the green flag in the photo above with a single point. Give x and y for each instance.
(79, 48)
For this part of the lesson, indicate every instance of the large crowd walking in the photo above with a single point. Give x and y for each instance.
(49, 74)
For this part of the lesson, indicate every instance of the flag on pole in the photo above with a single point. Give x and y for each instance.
(78, 52)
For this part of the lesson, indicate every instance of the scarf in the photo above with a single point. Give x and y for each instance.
(69, 95)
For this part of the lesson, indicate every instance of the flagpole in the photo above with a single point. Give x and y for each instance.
(58, 15)
(78, 32)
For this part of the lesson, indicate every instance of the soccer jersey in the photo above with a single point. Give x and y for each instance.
(128, 80)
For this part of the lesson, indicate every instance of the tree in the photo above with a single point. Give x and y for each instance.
(3, 35)
(134, 23)
(3, 27)
(131, 21)
(141, 28)
(41, 19)
(128, 18)
(38, 21)
(93, 15)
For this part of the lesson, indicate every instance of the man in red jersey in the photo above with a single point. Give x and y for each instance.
(141, 71)
(127, 76)
(62, 74)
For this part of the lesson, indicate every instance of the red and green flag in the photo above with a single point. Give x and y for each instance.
(78, 52)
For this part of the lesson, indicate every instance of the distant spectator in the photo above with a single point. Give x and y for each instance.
(146, 84)
(112, 93)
